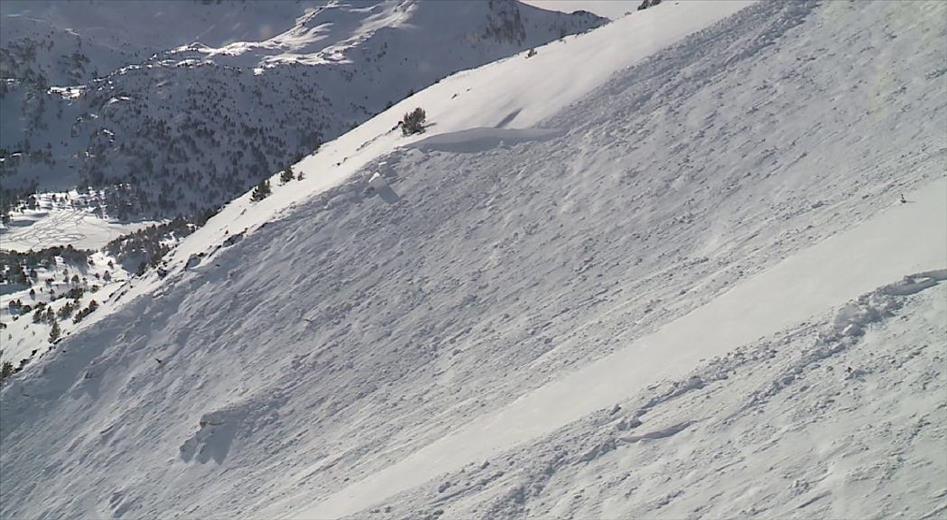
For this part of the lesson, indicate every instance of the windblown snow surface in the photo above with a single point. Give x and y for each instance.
(659, 270)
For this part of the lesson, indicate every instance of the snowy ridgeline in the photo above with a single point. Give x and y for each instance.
(200, 101)
(675, 300)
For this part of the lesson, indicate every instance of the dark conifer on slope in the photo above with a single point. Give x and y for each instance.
(55, 332)
(261, 191)
(413, 122)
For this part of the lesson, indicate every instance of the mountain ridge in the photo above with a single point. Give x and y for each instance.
(299, 348)
(189, 128)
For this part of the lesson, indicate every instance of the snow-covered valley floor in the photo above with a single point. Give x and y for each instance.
(57, 223)
(636, 300)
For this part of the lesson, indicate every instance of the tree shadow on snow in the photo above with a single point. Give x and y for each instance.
(509, 118)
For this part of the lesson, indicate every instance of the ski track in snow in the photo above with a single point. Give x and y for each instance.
(77, 227)
(330, 338)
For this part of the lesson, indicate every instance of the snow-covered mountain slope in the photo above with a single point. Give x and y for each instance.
(192, 126)
(158, 121)
(66, 42)
(838, 417)
(66, 287)
(480, 104)
(310, 346)
(805, 283)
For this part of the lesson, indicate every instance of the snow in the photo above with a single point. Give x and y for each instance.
(482, 139)
(378, 182)
(72, 218)
(456, 104)
(22, 339)
(702, 233)
(800, 424)
(905, 239)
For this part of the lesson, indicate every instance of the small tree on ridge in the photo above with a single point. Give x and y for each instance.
(413, 122)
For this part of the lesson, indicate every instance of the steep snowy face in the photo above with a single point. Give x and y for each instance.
(196, 117)
(302, 344)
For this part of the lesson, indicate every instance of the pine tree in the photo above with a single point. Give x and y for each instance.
(261, 191)
(55, 332)
(6, 370)
(65, 311)
(286, 175)
(413, 122)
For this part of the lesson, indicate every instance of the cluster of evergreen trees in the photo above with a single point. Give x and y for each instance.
(174, 159)
(15, 197)
(263, 190)
(145, 248)
(6, 370)
(20, 268)
(93, 305)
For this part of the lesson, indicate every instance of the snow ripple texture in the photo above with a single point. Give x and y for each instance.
(352, 332)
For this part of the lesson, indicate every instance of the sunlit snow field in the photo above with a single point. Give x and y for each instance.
(690, 264)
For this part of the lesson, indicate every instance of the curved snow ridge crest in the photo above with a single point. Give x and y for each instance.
(915, 283)
(475, 140)
(855, 316)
